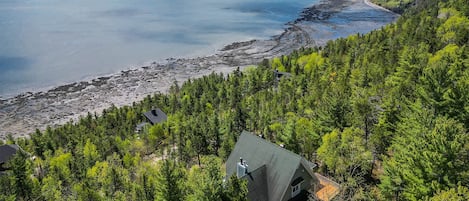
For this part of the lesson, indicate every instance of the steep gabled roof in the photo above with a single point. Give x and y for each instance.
(257, 180)
(7, 152)
(155, 116)
(280, 163)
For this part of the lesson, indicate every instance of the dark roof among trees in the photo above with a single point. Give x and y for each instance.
(141, 126)
(279, 74)
(155, 116)
(257, 152)
(7, 152)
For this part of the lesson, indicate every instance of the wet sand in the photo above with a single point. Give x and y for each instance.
(316, 25)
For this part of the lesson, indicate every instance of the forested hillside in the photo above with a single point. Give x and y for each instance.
(397, 6)
(385, 114)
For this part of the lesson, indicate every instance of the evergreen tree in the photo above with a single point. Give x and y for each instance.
(428, 156)
(22, 183)
(169, 182)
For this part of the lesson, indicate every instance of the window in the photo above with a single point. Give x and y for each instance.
(296, 189)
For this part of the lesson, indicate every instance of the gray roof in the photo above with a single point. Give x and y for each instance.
(7, 151)
(257, 184)
(155, 116)
(279, 74)
(141, 126)
(280, 163)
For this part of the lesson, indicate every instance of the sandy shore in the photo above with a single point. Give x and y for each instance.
(316, 25)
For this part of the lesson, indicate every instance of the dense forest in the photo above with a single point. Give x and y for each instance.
(385, 114)
(397, 6)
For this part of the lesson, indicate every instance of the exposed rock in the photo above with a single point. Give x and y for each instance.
(24, 113)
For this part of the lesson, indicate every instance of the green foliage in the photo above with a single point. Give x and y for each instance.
(277, 64)
(394, 5)
(155, 135)
(345, 155)
(206, 182)
(391, 108)
(428, 156)
(455, 28)
(90, 153)
(459, 193)
(51, 189)
(169, 182)
(22, 184)
(236, 189)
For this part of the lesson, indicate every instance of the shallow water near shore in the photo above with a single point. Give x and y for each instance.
(49, 42)
(315, 25)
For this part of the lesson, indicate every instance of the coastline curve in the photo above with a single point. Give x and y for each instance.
(24, 113)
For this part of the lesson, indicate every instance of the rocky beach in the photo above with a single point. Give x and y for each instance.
(324, 21)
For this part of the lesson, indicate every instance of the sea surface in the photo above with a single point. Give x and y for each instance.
(45, 43)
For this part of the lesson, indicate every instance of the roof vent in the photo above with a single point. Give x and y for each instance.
(242, 168)
(154, 112)
(282, 145)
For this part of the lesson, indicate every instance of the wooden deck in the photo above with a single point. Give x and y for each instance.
(328, 189)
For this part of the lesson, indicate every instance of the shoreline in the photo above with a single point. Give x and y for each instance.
(23, 113)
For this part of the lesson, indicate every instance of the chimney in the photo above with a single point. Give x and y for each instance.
(241, 168)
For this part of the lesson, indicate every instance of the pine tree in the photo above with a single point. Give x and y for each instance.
(169, 182)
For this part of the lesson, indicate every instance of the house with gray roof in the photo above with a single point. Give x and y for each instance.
(6, 153)
(273, 173)
(278, 75)
(155, 116)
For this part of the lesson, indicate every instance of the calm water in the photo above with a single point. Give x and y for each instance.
(48, 42)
